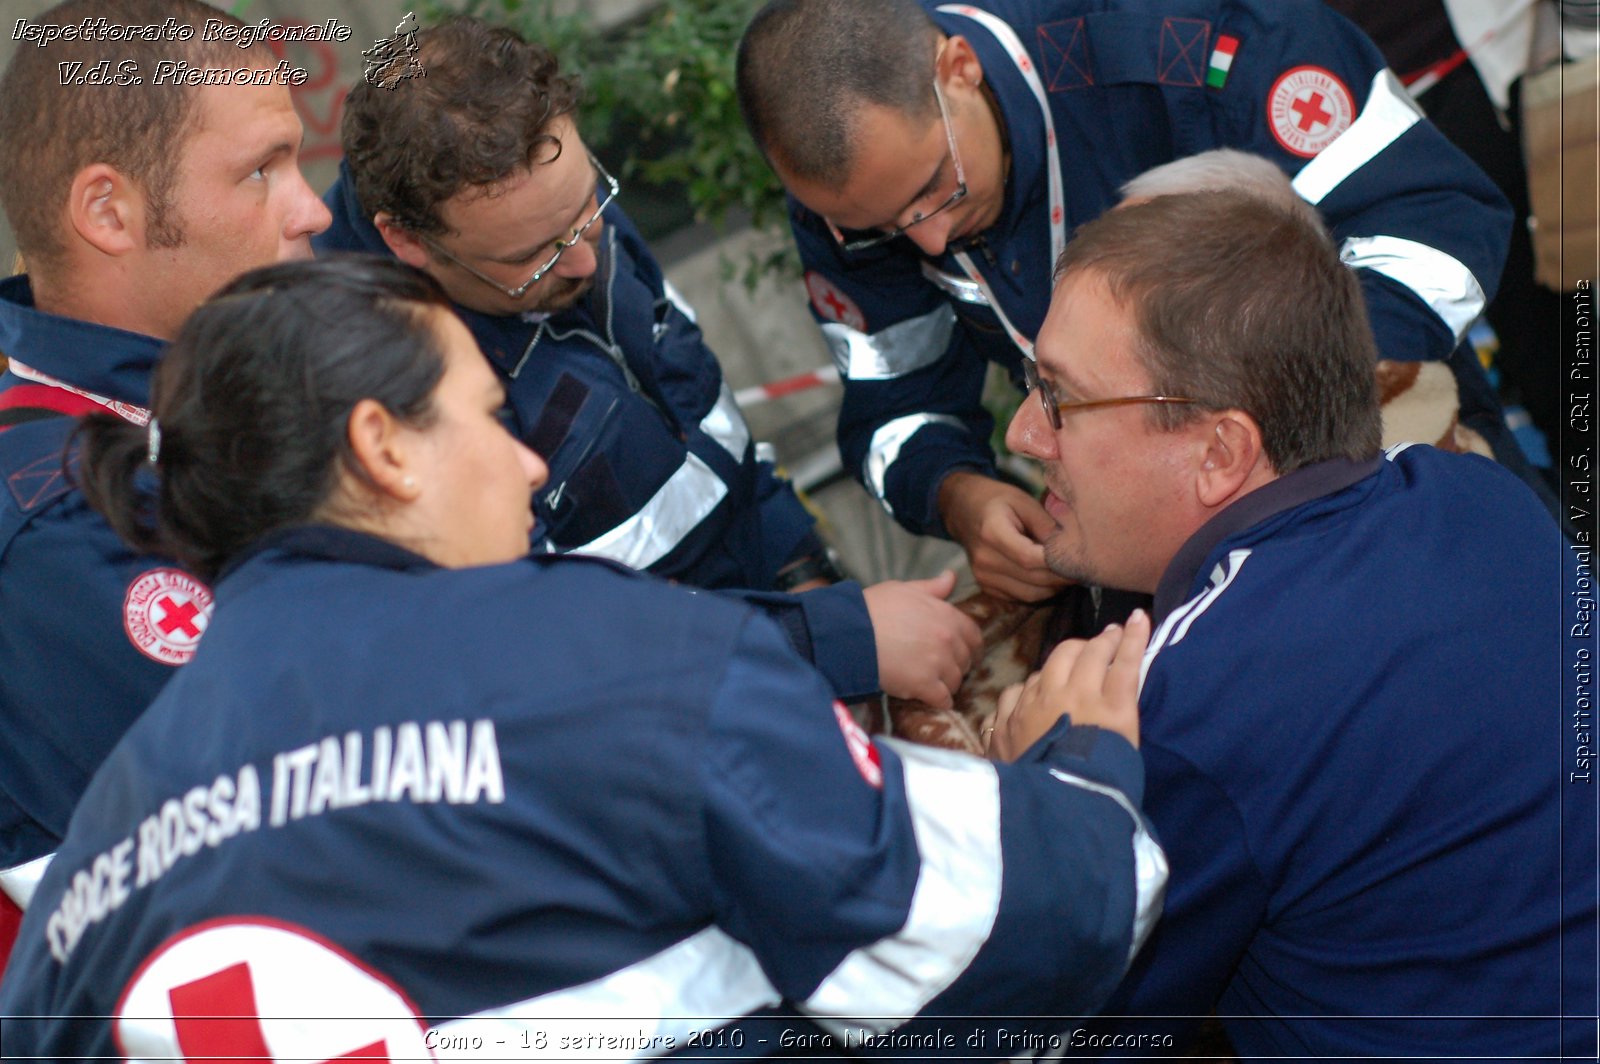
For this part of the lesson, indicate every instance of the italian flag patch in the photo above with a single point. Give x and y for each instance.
(1221, 60)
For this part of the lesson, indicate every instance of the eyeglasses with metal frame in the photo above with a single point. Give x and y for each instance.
(864, 242)
(1054, 408)
(613, 189)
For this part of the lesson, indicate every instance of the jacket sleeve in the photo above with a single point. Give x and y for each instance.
(913, 387)
(1422, 224)
(878, 881)
(71, 679)
(829, 627)
(1216, 903)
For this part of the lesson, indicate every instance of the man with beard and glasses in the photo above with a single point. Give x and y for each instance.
(476, 174)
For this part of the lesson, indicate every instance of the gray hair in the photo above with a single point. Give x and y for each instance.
(1222, 170)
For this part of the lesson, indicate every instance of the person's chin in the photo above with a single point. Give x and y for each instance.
(1066, 561)
(566, 297)
(972, 226)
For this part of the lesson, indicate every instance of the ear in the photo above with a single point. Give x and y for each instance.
(106, 210)
(958, 63)
(382, 450)
(1232, 454)
(402, 241)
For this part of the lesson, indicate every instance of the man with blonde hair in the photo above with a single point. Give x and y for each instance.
(131, 203)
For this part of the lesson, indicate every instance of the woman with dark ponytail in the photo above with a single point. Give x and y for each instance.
(411, 772)
(252, 403)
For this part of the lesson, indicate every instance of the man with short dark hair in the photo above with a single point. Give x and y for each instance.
(1359, 689)
(131, 202)
(477, 174)
(939, 154)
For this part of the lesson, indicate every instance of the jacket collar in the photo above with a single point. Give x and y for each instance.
(97, 358)
(1283, 494)
(352, 228)
(326, 543)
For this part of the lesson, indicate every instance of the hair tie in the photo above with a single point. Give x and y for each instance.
(154, 445)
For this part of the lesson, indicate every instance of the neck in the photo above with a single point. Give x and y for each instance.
(94, 297)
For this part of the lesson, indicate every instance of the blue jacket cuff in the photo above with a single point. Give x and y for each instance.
(1091, 752)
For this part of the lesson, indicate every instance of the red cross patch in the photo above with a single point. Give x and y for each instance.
(165, 612)
(832, 304)
(862, 752)
(1308, 108)
(264, 990)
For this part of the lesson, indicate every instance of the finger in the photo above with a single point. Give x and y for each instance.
(1058, 666)
(969, 635)
(951, 675)
(1089, 671)
(1021, 560)
(1122, 680)
(962, 655)
(1006, 586)
(939, 586)
(939, 684)
(1019, 548)
(1006, 704)
(957, 635)
(1036, 520)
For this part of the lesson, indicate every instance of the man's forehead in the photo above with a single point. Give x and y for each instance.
(534, 203)
(1088, 331)
(246, 116)
(890, 159)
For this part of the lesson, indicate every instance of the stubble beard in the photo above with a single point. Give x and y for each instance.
(568, 295)
(1062, 558)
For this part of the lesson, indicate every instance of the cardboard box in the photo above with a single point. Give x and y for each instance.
(1561, 141)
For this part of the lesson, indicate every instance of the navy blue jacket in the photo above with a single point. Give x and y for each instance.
(651, 463)
(89, 630)
(1367, 722)
(1129, 87)
(497, 822)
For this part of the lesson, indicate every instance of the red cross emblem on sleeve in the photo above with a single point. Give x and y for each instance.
(164, 613)
(1307, 109)
(862, 752)
(256, 989)
(833, 305)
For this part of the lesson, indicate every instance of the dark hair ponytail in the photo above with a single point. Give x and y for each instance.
(109, 471)
(252, 400)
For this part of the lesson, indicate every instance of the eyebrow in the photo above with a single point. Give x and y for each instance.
(578, 217)
(289, 145)
(1059, 379)
(266, 155)
(921, 194)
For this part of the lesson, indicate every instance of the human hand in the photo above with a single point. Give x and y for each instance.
(1094, 682)
(1003, 530)
(925, 645)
